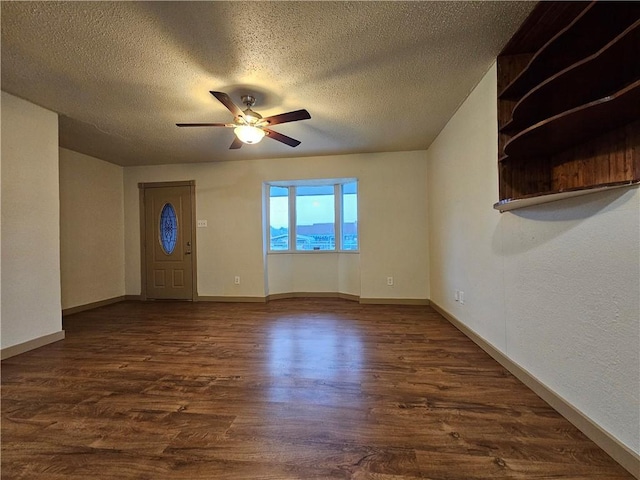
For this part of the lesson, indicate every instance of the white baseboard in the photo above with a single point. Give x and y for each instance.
(280, 296)
(24, 347)
(394, 301)
(622, 454)
(344, 296)
(348, 296)
(206, 298)
(92, 305)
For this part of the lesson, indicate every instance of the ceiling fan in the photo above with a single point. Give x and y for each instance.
(249, 126)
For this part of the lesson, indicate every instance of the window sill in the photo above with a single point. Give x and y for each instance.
(310, 252)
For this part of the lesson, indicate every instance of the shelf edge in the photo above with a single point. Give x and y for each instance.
(514, 204)
(596, 105)
(512, 128)
(507, 92)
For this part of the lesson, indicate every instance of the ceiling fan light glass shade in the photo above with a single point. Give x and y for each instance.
(249, 134)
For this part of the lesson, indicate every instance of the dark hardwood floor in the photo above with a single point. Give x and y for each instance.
(292, 389)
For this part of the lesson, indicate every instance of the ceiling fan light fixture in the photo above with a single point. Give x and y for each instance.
(251, 127)
(249, 134)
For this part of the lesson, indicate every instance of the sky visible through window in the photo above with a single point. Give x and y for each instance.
(318, 209)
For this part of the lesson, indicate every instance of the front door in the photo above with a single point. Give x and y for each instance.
(168, 244)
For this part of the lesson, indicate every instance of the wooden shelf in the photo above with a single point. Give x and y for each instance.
(599, 22)
(577, 125)
(580, 83)
(569, 102)
(532, 200)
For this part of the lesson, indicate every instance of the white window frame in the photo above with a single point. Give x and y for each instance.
(291, 185)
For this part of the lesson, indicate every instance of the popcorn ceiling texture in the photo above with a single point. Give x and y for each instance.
(375, 76)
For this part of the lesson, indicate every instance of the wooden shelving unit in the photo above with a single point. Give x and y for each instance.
(569, 102)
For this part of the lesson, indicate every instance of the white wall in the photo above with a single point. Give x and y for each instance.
(30, 223)
(393, 226)
(555, 287)
(91, 229)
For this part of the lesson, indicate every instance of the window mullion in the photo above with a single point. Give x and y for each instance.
(337, 195)
(267, 196)
(292, 219)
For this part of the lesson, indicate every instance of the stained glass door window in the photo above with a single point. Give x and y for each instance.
(168, 228)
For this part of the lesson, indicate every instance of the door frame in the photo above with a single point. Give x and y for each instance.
(142, 186)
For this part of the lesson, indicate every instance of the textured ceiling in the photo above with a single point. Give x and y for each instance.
(375, 76)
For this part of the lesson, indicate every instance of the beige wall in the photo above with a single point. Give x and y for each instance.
(314, 272)
(30, 223)
(555, 287)
(393, 227)
(91, 229)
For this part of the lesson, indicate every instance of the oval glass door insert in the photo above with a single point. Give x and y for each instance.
(168, 228)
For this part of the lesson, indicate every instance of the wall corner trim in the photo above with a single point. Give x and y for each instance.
(24, 347)
(622, 454)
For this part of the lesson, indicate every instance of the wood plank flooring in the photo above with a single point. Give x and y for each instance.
(292, 389)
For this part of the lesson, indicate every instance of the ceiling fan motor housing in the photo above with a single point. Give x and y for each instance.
(250, 116)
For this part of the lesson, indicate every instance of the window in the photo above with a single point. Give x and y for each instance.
(168, 227)
(349, 217)
(315, 218)
(279, 218)
(319, 215)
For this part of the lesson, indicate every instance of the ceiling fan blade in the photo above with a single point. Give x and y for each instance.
(288, 117)
(227, 102)
(203, 125)
(237, 143)
(292, 142)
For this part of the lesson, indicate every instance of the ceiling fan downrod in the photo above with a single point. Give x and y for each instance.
(248, 100)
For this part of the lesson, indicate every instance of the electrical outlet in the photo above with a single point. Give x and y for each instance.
(390, 281)
(461, 297)
(236, 280)
(202, 223)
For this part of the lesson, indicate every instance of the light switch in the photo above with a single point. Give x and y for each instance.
(202, 223)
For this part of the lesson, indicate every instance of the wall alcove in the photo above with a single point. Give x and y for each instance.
(569, 103)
